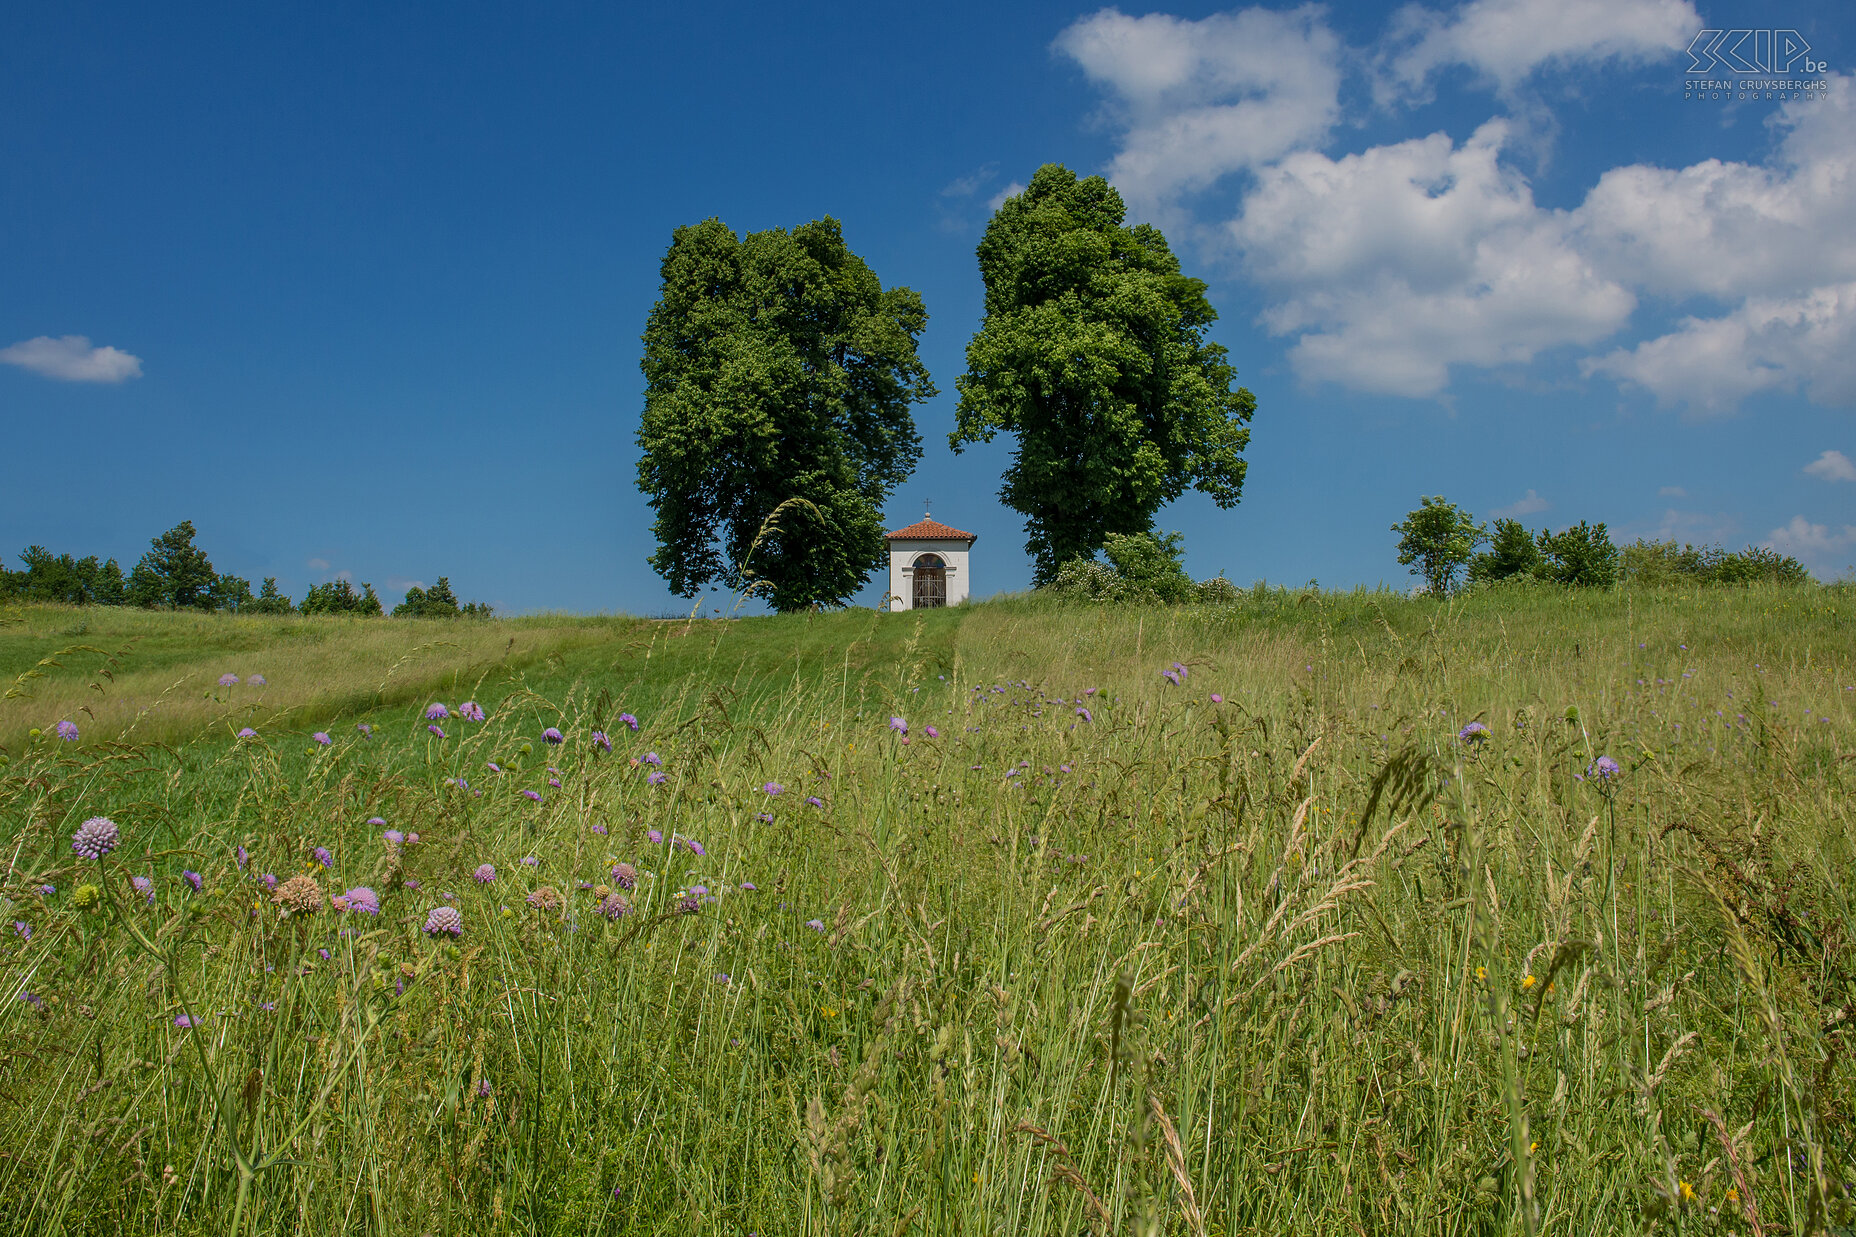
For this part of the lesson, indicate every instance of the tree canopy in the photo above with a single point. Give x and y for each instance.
(175, 573)
(1436, 540)
(1093, 352)
(778, 370)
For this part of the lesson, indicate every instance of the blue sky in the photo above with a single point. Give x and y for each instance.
(358, 289)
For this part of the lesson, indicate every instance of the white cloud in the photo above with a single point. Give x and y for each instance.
(970, 184)
(72, 358)
(1507, 40)
(1696, 528)
(1832, 466)
(1010, 191)
(1825, 550)
(400, 584)
(317, 564)
(1529, 504)
(1769, 343)
(1403, 260)
(1202, 99)
(1672, 491)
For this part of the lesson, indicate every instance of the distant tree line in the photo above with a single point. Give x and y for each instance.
(176, 574)
(1439, 540)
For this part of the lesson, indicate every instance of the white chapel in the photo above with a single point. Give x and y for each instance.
(928, 566)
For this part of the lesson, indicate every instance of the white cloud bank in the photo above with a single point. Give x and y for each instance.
(1529, 504)
(1825, 550)
(72, 358)
(1390, 266)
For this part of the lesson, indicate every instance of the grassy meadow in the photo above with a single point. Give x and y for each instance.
(1528, 912)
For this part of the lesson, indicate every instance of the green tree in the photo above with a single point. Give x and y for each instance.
(1093, 352)
(174, 573)
(61, 578)
(438, 602)
(339, 597)
(1512, 553)
(270, 600)
(777, 367)
(1436, 540)
(1581, 555)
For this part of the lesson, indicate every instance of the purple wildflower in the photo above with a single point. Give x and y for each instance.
(258, 680)
(817, 925)
(394, 836)
(614, 905)
(323, 856)
(247, 733)
(228, 680)
(367, 731)
(555, 782)
(483, 1087)
(484, 874)
(493, 766)
(529, 861)
(601, 742)
(46, 891)
(898, 725)
(532, 795)
(67, 731)
(1083, 712)
(1604, 768)
(750, 886)
(194, 879)
(361, 899)
(765, 818)
(435, 729)
(695, 847)
(23, 929)
(655, 837)
(931, 732)
(412, 839)
(1217, 699)
(33, 999)
(551, 735)
(815, 801)
(322, 738)
(658, 778)
(699, 891)
(774, 788)
(652, 759)
(629, 720)
(687, 906)
(96, 837)
(444, 920)
(436, 712)
(1171, 675)
(600, 829)
(624, 875)
(1474, 733)
(145, 887)
(268, 881)
(182, 1020)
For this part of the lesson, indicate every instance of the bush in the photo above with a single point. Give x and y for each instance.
(1143, 569)
(1665, 562)
(1582, 556)
(438, 602)
(1512, 553)
(1436, 541)
(339, 597)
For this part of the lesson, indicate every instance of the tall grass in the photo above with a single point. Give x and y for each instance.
(1101, 954)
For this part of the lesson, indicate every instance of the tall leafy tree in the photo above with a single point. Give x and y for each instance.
(779, 373)
(1093, 352)
(175, 572)
(1436, 540)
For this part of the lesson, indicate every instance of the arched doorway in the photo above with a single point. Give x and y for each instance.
(930, 582)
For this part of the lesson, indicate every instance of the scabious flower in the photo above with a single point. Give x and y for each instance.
(629, 720)
(654, 836)
(46, 891)
(228, 680)
(394, 836)
(551, 735)
(33, 999)
(194, 879)
(601, 742)
(555, 782)
(774, 788)
(258, 680)
(529, 861)
(533, 796)
(1475, 733)
(241, 856)
(765, 818)
(182, 1020)
(322, 738)
(749, 886)
(247, 733)
(268, 881)
(435, 729)
(471, 711)
(23, 929)
(299, 895)
(367, 731)
(652, 759)
(1217, 699)
(546, 898)
(695, 847)
(1083, 712)
(815, 801)
(1604, 768)
(484, 874)
(67, 730)
(931, 732)
(444, 921)
(699, 891)
(361, 899)
(817, 925)
(436, 712)
(493, 766)
(323, 856)
(615, 905)
(624, 875)
(687, 906)
(658, 778)
(600, 829)
(898, 725)
(96, 837)
(1171, 675)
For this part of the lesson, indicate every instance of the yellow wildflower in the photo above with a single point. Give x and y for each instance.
(1529, 982)
(1688, 1192)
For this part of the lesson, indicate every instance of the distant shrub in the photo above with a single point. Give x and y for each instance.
(1512, 553)
(269, 600)
(1217, 591)
(438, 602)
(61, 578)
(1666, 562)
(339, 597)
(1582, 556)
(1143, 569)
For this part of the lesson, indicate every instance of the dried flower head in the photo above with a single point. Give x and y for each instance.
(96, 837)
(299, 895)
(614, 905)
(84, 897)
(546, 898)
(444, 921)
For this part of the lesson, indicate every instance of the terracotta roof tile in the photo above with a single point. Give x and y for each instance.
(927, 529)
